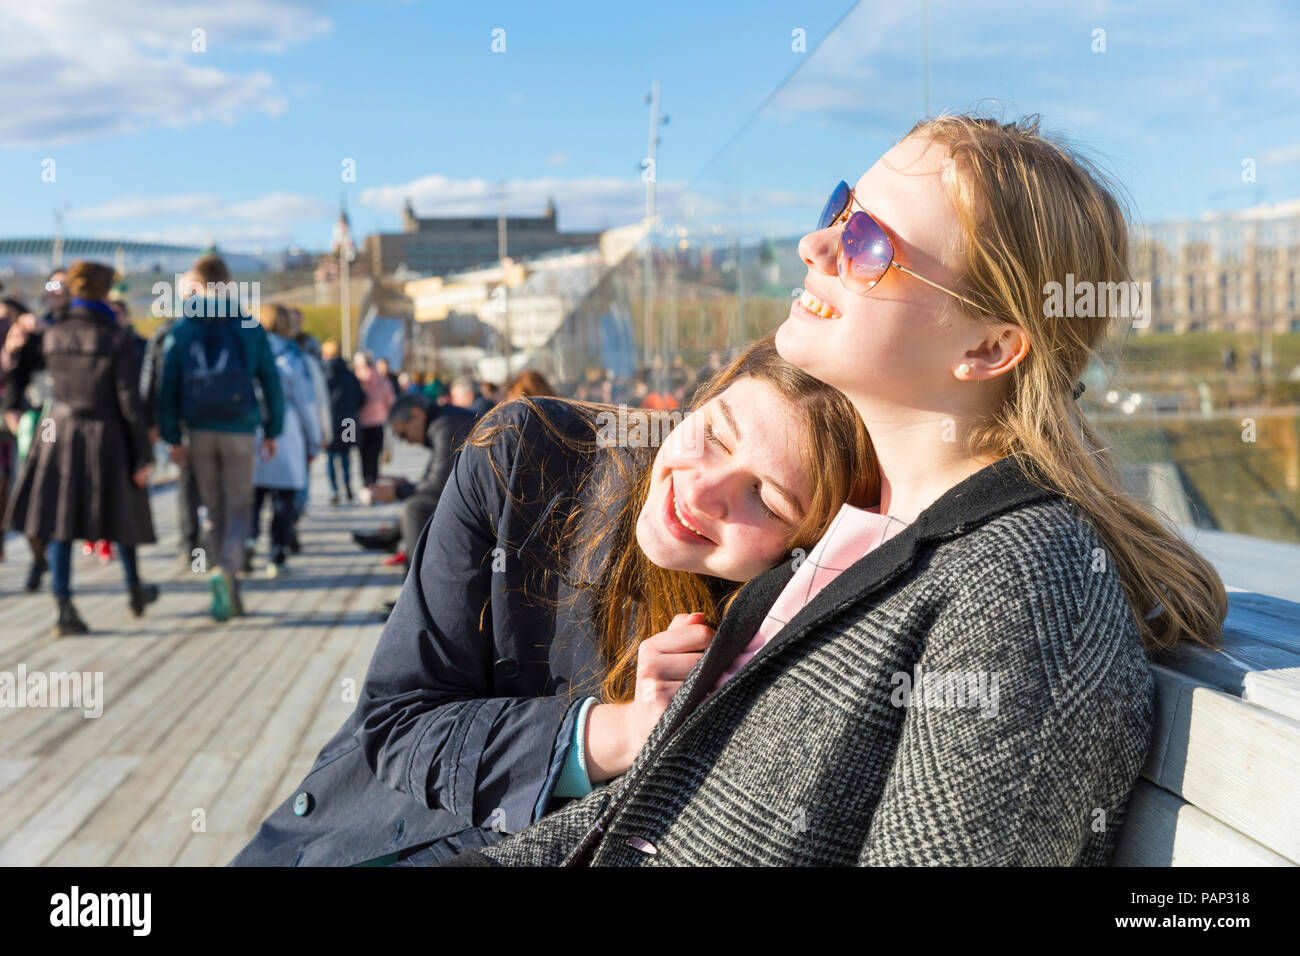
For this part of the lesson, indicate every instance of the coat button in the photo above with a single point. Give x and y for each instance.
(302, 804)
(506, 667)
(645, 846)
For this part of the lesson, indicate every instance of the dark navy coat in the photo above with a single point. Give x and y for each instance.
(466, 714)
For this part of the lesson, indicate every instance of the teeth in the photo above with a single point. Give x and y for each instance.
(683, 520)
(817, 306)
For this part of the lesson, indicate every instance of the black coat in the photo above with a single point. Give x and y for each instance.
(464, 721)
(346, 398)
(76, 481)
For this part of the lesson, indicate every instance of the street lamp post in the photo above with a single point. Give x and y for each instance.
(346, 251)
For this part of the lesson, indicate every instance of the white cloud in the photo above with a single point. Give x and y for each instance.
(584, 203)
(77, 69)
(267, 220)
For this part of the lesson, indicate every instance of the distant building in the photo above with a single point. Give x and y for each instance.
(442, 245)
(1235, 272)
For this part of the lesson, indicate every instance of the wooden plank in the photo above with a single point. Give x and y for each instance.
(30, 845)
(1162, 830)
(1278, 691)
(13, 769)
(160, 838)
(1260, 633)
(143, 806)
(1237, 762)
(195, 711)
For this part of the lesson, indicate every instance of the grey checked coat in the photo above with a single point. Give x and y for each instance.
(806, 757)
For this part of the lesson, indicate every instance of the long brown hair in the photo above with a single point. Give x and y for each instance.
(1033, 211)
(634, 598)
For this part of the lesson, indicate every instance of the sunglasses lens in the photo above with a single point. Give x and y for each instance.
(839, 198)
(865, 253)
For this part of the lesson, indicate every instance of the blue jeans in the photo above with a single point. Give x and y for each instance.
(282, 513)
(345, 458)
(59, 555)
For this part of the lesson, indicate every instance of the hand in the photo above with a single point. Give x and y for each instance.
(382, 493)
(178, 455)
(268, 449)
(12, 420)
(617, 732)
(15, 338)
(141, 477)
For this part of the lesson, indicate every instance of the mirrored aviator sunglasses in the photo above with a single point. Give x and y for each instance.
(865, 251)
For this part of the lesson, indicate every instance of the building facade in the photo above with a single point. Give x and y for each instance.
(442, 245)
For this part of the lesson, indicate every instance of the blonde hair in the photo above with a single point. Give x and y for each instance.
(1032, 211)
(275, 319)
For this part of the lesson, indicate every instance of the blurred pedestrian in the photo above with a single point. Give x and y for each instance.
(463, 392)
(281, 476)
(379, 399)
(346, 396)
(381, 366)
(24, 401)
(309, 349)
(187, 490)
(529, 382)
(56, 297)
(87, 475)
(213, 357)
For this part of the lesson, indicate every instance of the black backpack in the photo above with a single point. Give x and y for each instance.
(216, 384)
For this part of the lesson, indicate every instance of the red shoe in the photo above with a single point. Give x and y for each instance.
(105, 549)
(395, 559)
(88, 549)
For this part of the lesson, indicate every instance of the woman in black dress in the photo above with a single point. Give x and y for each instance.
(87, 473)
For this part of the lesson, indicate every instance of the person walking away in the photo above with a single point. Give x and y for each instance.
(25, 402)
(215, 355)
(86, 475)
(379, 399)
(309, 350)
(283, 475)
(187, 491)
(346, 397)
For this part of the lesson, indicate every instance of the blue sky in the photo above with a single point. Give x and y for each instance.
(243, 141)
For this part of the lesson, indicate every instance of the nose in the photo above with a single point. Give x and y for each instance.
(712, 490)
(818, 249)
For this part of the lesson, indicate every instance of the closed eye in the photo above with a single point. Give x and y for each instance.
(710, 435)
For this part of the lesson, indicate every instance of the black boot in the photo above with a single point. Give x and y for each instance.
(69, 621)
(141, 595)
(38, 569)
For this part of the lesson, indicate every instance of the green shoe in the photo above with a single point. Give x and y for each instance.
(220, 596)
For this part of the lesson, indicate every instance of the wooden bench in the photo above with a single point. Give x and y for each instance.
(1221, 785)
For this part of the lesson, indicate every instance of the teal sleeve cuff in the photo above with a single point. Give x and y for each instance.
(573, 780)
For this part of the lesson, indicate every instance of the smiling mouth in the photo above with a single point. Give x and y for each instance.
(816, 306)
(681, 518)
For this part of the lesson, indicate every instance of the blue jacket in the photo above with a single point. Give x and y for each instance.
(465, 717)
(261, 366)
(300, 436)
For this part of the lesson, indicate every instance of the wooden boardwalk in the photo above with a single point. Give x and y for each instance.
(206, 727)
